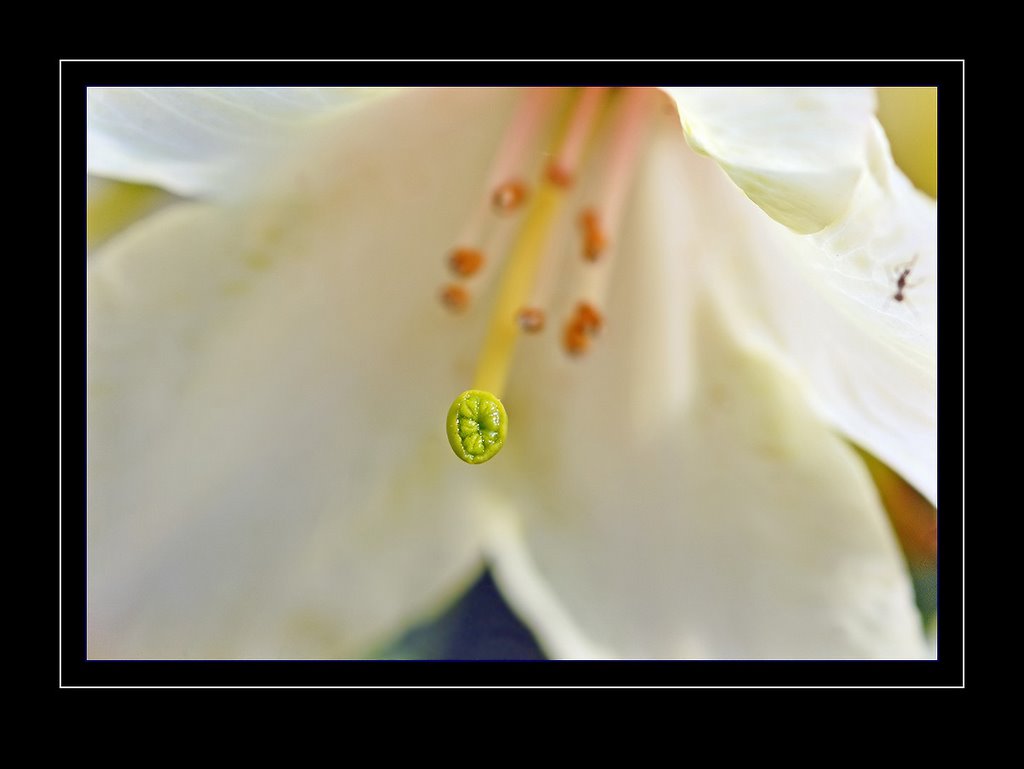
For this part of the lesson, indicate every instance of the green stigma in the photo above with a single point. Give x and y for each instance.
(477, 425)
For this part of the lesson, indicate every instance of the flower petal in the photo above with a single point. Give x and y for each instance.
(268, 470)
(685, 502)
(796, 152)
(870, 358)
(202, 141)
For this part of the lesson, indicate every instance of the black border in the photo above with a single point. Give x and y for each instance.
(75, 671)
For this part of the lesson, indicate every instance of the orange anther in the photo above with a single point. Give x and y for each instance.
(588, 318)
(557, 174)
(594, 239)
(577, 340)
(593, 245)
(465, 261)
(583, 325)
(509, 196)
(455, 297)
(530, 319)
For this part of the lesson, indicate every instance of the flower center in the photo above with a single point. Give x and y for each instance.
(591, 139)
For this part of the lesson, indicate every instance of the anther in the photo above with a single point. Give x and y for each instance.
(585, 323)
(530, 319)
(558, 175)
(509, 196)
(455, 297)
(588, 317)
(465, 262)
(577, 340)
(594, 239)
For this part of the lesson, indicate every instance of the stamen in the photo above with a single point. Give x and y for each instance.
(588, 317)
(562, 168)
(509, 190)
(517, 281)
(466, 262)
(631, 123)
(557, 174)
(455, 297)
(577, 340)
(509, 196)
(594, 239)
(580, 140)
(484, 233)
(584, 324)
(531, 319)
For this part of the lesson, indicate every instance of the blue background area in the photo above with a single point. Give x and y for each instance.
(480, 626)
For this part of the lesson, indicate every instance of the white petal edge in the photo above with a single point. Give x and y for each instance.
(268, 471)
(796, 152)
(204, 142)
(870, 359)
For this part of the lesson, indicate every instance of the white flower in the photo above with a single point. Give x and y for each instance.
(269, 371)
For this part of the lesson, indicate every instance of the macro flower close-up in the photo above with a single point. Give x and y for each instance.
(640, 355)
